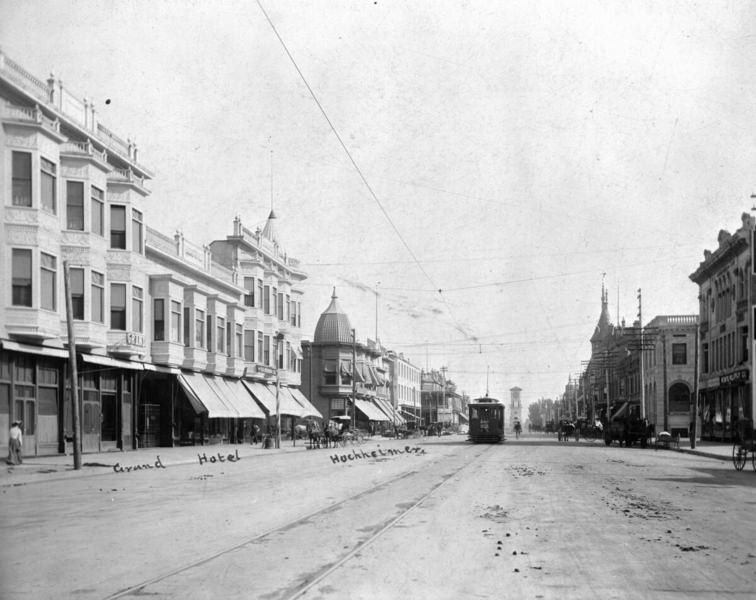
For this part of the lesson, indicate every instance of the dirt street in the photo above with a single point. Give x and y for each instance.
(424, 518)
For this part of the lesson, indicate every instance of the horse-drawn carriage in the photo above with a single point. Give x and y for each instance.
(334, 433)
(628, 430)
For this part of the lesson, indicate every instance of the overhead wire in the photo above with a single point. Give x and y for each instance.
(357, 167)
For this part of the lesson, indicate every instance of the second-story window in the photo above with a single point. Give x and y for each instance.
(259, 293)
(118, 227)
(22, 180)
(210, 346)
(220, 327)
(175, 321)
(48, 275)
(199, 328)
(260, 344)
(98, 211)
(47, 177)
(249, 345)
(249, 297)
(266, 300)
(158, 319)
(137, 302)
(281, 306)
(239, 329)
(75, 205)
(679, 354)
(76, 280)
(98, 297)
(266, 350)
(137, 237)
(118, 306)
(22, 277)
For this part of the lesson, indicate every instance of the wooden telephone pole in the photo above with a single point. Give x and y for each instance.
(72, 366)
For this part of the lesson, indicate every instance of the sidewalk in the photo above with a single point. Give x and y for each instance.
(721, 451)
(36, 469)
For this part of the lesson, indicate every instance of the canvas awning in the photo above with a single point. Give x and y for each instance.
(107, 361)
(388, 408)
(266, 395)
(619, 412)
(32, 349)
(309, 409)
(238, 396)
(260, 393)
(370, 410)
(408, 414)
(203, 397)
(373, 375)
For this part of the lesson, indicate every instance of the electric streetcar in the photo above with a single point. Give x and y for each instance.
(486, 421)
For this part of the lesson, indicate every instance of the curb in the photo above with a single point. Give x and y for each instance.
(705, 454)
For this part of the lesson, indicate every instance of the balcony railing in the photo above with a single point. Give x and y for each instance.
(31, 115)
(126, 175)
(79, 111)
(84, 148)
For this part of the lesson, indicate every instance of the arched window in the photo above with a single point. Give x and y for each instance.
(679, 398)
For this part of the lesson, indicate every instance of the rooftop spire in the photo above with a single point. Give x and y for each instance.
(269, 231)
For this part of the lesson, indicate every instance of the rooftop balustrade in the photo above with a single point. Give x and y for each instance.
(77, 110)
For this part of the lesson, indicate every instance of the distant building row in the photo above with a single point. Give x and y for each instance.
(708, 356)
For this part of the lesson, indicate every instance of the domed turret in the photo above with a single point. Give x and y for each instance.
(333, 325)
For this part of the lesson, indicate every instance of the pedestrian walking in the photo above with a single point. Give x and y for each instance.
(255, 433)
(15, 444)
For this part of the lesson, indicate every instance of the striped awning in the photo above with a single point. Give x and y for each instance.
(266, 395)
(309, 409)
(205, 398)
(370, 410)
(239, 397)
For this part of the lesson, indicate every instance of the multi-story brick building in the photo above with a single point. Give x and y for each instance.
(161, 325)
(726, 285)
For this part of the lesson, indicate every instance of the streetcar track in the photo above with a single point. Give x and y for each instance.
(383, 529)
(137, 589)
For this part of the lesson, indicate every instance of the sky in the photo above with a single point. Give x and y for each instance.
(467, 175)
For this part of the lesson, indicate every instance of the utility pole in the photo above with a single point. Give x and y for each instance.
(72, 365)
(664, 363)
(279, 337)
(443, 390)
(575, 390)
(694, 423)
(354, 379)
(642, 373)
(606, 383)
